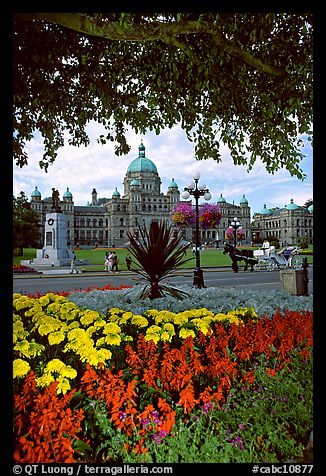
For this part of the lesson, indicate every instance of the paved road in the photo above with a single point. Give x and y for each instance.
(61, 280)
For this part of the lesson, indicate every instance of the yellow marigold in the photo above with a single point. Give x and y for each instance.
(184, 333)
(114, 318)
(153, 330)
(151, 313)
(127, 338)
(54, 365)
(45, 380)
(56, 337)
(103, 355)
(68, 314)
(89, 355)
(88, 317)
(18, 331)
(166, 337)
(154, 337)
(180, 319)
(220, 317)
(35, 349)
(90, 330)
(111, 328)
(139, 321)
(44, 300)
(23, 302)
(29, 349)
(20, 368)
(68, 372)
(168, 327)
(54, 307)
(124, 318)
(45, 329)
(63, 386)
(33, 310)
(100, 341)
(202, 325)
(99, 323)
(73, 325)
(113, 339)
(68, 306)
(115, 310)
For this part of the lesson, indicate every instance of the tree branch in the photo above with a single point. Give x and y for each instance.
(166, 32)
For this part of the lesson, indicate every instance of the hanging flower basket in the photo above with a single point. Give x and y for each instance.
(184, 215)
(229, 234)
(210, 216)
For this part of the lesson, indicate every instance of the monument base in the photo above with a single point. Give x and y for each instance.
(55, 251)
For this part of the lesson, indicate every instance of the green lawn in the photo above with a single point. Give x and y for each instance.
(95, 257)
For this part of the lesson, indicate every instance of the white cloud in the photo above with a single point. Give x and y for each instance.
(96, 166)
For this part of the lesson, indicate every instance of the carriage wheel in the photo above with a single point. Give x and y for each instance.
(270, 265)
(296, 262)
(260, 266)
(281, 265)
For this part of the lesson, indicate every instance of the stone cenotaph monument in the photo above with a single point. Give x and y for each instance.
(55, 251)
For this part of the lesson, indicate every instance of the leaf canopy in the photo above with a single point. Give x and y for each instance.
(239, 79)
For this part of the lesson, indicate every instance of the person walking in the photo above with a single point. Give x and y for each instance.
(115, 261)
(73, 268)
(128, 261)
(106, 261)
(110, 261)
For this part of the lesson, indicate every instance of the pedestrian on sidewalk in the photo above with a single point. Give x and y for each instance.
(73, 264)
(115, 261)
(128, 261)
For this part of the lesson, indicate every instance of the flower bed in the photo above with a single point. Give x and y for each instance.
(22, 269)
(159, 386)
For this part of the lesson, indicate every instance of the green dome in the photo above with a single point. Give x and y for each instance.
(142, 163)
(173, 184)
(67, 194)
(36, 193)
(116, 194)
(221, 199)
(266, 211)
(244, 200)
(311, 208)
(292, 206)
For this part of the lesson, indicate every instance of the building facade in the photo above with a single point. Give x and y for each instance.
(290, 225)
(142, 201)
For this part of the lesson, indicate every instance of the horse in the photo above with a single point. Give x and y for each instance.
(240, 255)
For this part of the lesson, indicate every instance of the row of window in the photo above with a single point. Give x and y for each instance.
(278, 223)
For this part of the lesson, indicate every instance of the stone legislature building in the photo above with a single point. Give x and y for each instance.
(142, 201)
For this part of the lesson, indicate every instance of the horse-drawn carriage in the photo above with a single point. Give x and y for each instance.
(264, 259)
(269, 259)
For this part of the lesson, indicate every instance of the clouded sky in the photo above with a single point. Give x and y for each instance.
(96, 166)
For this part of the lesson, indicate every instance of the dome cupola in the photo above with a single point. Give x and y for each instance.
(142, 163)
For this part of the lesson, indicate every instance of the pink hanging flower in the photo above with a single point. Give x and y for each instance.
(210, 216)
(184, 215)
(229, 234)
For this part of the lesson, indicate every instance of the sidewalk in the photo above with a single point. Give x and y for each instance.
(65, 271)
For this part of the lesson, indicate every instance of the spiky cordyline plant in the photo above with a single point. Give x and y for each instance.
(159, 252)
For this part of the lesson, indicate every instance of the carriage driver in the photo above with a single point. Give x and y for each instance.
(265, 247)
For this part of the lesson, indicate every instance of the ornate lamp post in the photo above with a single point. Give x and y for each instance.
(197, 189)
(236, 225)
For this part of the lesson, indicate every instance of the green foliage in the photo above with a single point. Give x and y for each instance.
(239, 79)
(269, 420)
(26, 230)
(158, 255)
